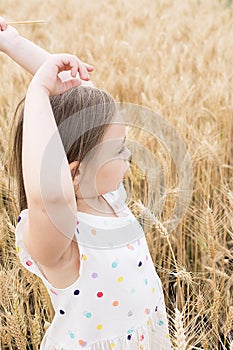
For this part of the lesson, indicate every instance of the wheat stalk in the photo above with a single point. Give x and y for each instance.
(145, 212)
(179, 335)
(193, 93)
(27, 22)
(229, 321)
(19, 314)
(36, 330)
(15, 331)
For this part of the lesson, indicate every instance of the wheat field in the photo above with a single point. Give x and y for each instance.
(176, 58)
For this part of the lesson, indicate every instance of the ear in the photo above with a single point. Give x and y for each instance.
(73, 167)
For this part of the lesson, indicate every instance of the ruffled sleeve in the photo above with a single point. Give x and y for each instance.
(24, 257)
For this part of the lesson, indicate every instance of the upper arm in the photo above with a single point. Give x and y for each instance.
(49, 232)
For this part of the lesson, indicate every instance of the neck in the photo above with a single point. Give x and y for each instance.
(93, 197)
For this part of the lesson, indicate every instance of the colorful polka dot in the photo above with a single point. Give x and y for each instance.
(71, 334)
(93, 231)
(147, 311)
(156, 308)
(129, 336)
(153, 290)
(87, 314)
(84, 257)
(130, 247)
(28, 263)
(82, 343)
(139, 264)
(99, 294)
(120, 279)
(99, 327)
(62, 312)
(130, 313)
(148, 323)
(53, 292)
(115, 264)
(160, 323)
(112, 345)
(115, 303)
(142, 337)
(77, 230)
(94, 275)
(146, 281)
(130, 331)
(77, 292)
(77, 223)
(19, 218)
(18, 249)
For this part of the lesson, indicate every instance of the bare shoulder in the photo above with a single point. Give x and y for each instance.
(51, 243)
(65, 271)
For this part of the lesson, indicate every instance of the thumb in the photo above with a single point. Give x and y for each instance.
(71, 83)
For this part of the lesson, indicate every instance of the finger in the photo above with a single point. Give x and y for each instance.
(70, 84)
(68, 62)
(89, 67)
(3, 24)
(83, 72)
(74, 66)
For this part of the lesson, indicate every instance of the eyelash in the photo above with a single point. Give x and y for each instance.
(121, 151)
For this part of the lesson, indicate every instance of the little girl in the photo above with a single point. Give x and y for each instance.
(74, 230)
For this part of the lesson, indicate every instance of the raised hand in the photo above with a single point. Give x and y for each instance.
(8, 35)
(26, 53)
(48, 79)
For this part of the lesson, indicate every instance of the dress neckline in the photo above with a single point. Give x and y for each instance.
(102, 216)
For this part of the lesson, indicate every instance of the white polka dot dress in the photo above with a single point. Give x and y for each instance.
(117, 302)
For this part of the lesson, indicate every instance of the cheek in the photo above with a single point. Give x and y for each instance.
(112, 172)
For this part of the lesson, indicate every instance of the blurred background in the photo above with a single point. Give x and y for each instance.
(176, 58)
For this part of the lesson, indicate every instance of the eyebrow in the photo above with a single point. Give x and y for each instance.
(123, 141)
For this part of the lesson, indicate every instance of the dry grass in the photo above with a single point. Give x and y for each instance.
(174, 57)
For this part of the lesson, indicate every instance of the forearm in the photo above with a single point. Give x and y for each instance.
(31, 57)
(46, 171)
(27, 54)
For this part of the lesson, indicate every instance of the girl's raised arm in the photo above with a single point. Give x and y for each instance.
(47, 178)
(24, 52)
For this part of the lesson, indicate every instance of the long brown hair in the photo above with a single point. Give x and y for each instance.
(85, 112)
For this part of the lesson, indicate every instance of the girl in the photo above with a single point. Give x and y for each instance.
(74, 230)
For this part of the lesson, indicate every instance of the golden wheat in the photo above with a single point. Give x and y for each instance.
(175, 58)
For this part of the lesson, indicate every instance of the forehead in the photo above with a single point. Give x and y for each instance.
(116, 130)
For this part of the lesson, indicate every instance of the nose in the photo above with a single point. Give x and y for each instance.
(128, 155)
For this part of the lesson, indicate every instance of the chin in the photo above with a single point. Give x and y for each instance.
(111, 188)
(118, 186)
